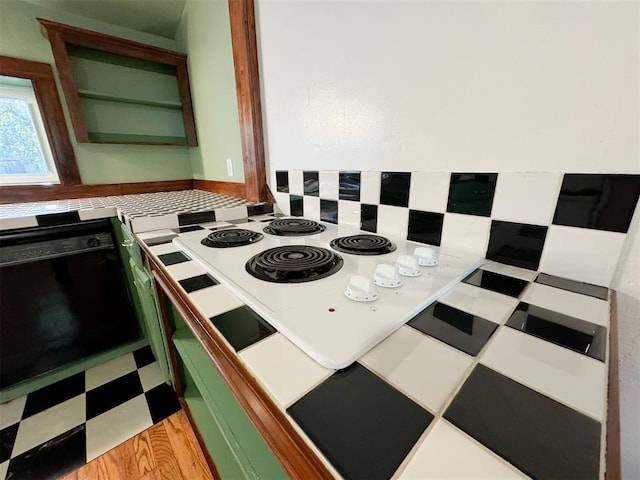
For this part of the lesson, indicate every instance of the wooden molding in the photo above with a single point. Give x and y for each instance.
(612, 458)
(55, 125)
(227, 188)
(296, 457)
(245, 60)
(40, 193)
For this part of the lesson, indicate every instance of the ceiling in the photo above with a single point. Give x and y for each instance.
(159, 17)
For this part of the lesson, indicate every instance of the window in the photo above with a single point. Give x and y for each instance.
(25, 154)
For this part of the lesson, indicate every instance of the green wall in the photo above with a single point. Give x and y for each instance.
(205, 35)
(20, 37)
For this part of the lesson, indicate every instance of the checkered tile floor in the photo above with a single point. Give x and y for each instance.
(57, 429)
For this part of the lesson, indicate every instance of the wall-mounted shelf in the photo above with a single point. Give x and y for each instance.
(120, 91)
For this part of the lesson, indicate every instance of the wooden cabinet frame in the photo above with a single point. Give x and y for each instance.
(59, 35)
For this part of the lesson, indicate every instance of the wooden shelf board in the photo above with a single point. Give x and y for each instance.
(93, 95)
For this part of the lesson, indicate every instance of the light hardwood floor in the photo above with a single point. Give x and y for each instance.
(168, 450)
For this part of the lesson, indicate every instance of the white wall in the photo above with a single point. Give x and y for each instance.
(441, 86)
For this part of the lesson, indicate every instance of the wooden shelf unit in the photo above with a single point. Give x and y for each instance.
(149, 102)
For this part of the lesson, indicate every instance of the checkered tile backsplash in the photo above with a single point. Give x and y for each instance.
(569, 225)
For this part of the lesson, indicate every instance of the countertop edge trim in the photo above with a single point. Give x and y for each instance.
(612, 459)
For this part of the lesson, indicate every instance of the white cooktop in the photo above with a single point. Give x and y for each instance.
(317, 316)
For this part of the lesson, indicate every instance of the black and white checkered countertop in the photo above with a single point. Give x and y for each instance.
(143, 212)
(463, 390)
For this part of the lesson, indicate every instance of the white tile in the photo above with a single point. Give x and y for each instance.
(148, 223)
(283, 368)
(150, 376)
(311, 207)
(576, 380)
(329, 185)
(486, 304)
(50, 423)
(96, 376)
(216, 225)
(429, 191)
(231, 213)
(213, 301)
(296, 182)
(163, 248)
(4, 466)
(573, 304)
(182, 270)
(96, 213)
(447, 453)
(18, 222)
(466, 232)
(11, 412)
(349, 213)
(393, 221)
(146, 236)
(526, 197)
(282, 200)
(119, 424)
(425, 369)
(582, 254)
(510, 270)
(370, 187)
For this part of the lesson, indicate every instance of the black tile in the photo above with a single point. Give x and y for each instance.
(516, 244)
(597, 201)
(162, 402)
(105, 397)
(459, 329)
(54, 394)
(143, 356)
(369, 217)
(173, 258)
(7, 439)
(242, 327)
(329, 211)
(197, 283)
(259, 209)
(282, 181)
(197, 217)
(363, 425)
(394, 188)
(190, 228)
(497, 282)
(349, 186)
(53, 459)
(160, 240)
(296, 205)
(425, 227)
(311, 183)
(572, 333)
(53, 219)
(541, 437)
(574, 286)
(472, 193)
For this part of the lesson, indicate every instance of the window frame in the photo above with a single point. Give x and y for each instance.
(55, 125)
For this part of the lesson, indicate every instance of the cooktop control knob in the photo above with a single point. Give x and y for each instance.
(361, 289)
(387, 276)
(408, 266)
(426, 256)
(93, 242)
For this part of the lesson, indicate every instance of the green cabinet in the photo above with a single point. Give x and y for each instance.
(235, 446)
(143, 296)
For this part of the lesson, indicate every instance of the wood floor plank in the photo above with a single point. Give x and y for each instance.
(186, 448)
(163, 453)
(125, 455)
(143, 453)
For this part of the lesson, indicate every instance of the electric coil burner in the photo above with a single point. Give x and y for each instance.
(294, 264)
(294, 227)
(233, 237)
(363, 244)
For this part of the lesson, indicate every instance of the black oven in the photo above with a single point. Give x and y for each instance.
(63, 298)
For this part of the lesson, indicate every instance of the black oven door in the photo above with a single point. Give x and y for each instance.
(63, 298)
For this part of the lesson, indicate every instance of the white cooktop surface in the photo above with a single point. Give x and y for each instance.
(317, 316)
